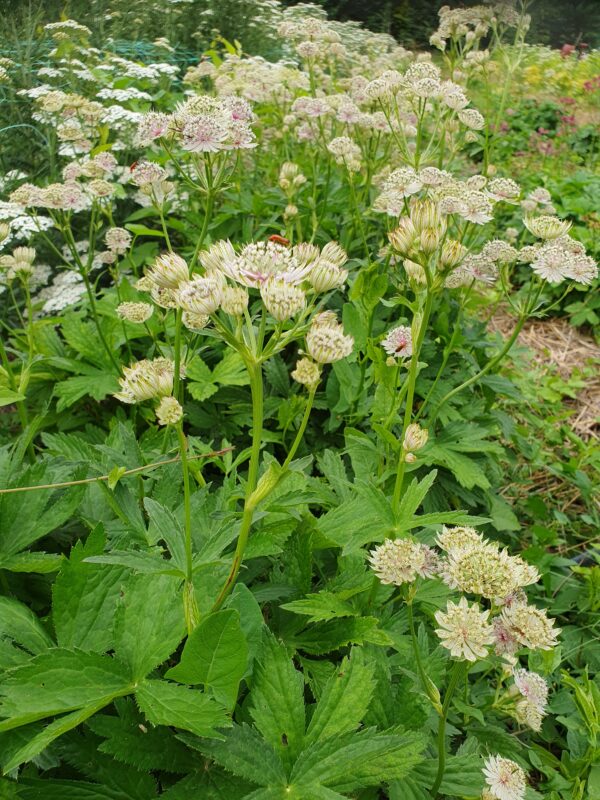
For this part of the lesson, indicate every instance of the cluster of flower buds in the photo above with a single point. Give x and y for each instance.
(19, 264)
(291, 180)
(346, 153)
(152, 180)
(415, 438)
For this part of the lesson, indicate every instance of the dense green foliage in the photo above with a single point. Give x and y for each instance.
(260, 445)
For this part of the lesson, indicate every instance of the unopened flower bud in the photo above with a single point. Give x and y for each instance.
(281, 299)
(234, 300)
(415, 271)
(453, 252)
(325, 276)
(135, 312)
(307, 373)
(429, 240)
(168, 271)
(4, 231)
(403, 237)
(425, 214)
(169, 411)
(415, 437)
(326, 341)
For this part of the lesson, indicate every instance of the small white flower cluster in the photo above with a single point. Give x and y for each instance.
(504, 778)
(146, 379)
(473, 23)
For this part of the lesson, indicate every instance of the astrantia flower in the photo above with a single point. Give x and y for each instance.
(485, 570)
(533, 687)
(504, 189)
(530, 626)
(459, 538)
(203, 134)
(168, 411)
(117, 240)
(326, 341)
(415, 437)
(398, 342)
(259, 260)
(195, 322)
(201, 295)
(283, 300)
(582, 269)
(135, 312)
(526, 713)
(397, 561)
(464, 630)
(550, 263)
(506, 780)
(547, 227)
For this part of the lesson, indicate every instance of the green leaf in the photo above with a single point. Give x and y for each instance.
(8, 397)
(277, 700)
(244, 753)
(251, 620)
(142, 230)
(344, 701)
(149, 622)
(98, 386)
(41, 563)
(19, 623)
(115, 475)
(231, 371)
(58, 681)
(191, 710)
(412, 498)
(215, 655)
(41, 740)
(84, 598)
(321, 606)
(356, 760)
(164, 525)
(148, 563)
(328, 636)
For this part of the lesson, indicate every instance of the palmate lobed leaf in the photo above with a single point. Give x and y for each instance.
(245, 753)
(57, 681)
(359, 759)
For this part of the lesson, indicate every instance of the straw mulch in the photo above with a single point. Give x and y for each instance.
(555, 346)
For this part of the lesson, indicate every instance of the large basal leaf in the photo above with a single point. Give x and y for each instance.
(344, 701)
(84, 598)
(191, 710)
(58, 681)
(277, 700)
(215, 655)
(149, 622)
(356, 760)
(244, 753)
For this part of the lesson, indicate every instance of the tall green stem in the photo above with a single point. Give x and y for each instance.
(410, 394)
(190, 606)
(455, 678)
(256, 386)
(301, 429)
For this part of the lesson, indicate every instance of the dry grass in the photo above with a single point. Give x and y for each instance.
(555, 346)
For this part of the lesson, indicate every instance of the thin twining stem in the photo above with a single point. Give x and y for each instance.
(107, 477)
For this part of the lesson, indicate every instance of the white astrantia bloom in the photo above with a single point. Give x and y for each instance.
(505, 779)
(398, 342)
(464, 630)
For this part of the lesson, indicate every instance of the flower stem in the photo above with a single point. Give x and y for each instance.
(301, 429)
(190, 606)
(256, 386)
(410, 394)
(457, 673)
